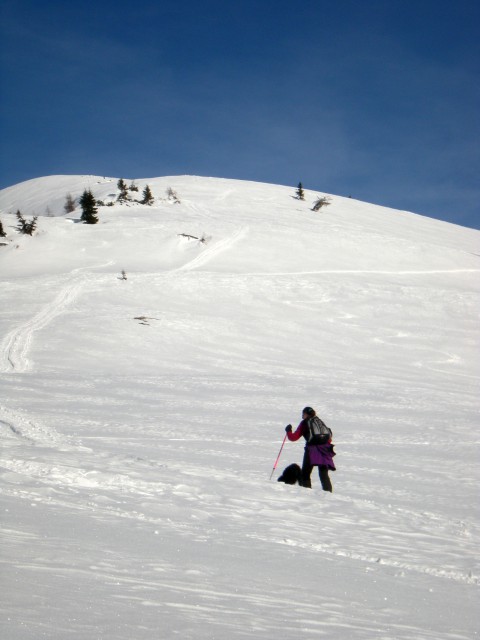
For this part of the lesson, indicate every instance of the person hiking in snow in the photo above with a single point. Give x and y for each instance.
(318, 448)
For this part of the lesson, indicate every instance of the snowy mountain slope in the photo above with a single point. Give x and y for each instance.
(140, 418)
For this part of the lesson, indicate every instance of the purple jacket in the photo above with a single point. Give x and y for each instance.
(319, 454)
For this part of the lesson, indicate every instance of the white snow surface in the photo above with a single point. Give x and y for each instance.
(140, 419)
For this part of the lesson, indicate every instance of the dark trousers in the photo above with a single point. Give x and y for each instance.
(307, 469)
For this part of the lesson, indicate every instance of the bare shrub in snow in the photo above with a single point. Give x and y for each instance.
(203, 239)
(69, 205)
(172, 196)
(324, 201)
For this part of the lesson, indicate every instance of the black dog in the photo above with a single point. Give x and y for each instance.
(291, 475)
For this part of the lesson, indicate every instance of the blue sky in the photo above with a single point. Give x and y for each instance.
(374, 99)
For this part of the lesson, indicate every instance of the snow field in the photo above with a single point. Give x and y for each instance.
(140, 419)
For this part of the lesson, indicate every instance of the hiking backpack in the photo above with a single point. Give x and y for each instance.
(318, 432)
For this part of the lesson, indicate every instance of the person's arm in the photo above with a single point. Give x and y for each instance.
(296, 435)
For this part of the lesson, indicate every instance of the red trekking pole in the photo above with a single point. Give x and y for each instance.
(278, 457)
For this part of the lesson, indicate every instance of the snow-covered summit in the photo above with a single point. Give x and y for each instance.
(264, 227)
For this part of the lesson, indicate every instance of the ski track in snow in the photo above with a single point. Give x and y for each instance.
(214, 250)
(17, 343)
(15, 346)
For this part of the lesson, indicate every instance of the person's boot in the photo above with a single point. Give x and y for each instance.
(306, 482)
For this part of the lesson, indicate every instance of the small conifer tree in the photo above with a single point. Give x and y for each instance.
(122, 186)
(21, 222)
(89, 207)
(24, 226)
(69, 205)
(300, 194)
(147, 196)
(2, 231)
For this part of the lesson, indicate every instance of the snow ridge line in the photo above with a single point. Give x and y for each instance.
(59, 476)
(15, 430)
(23, 427)
(361, 271)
